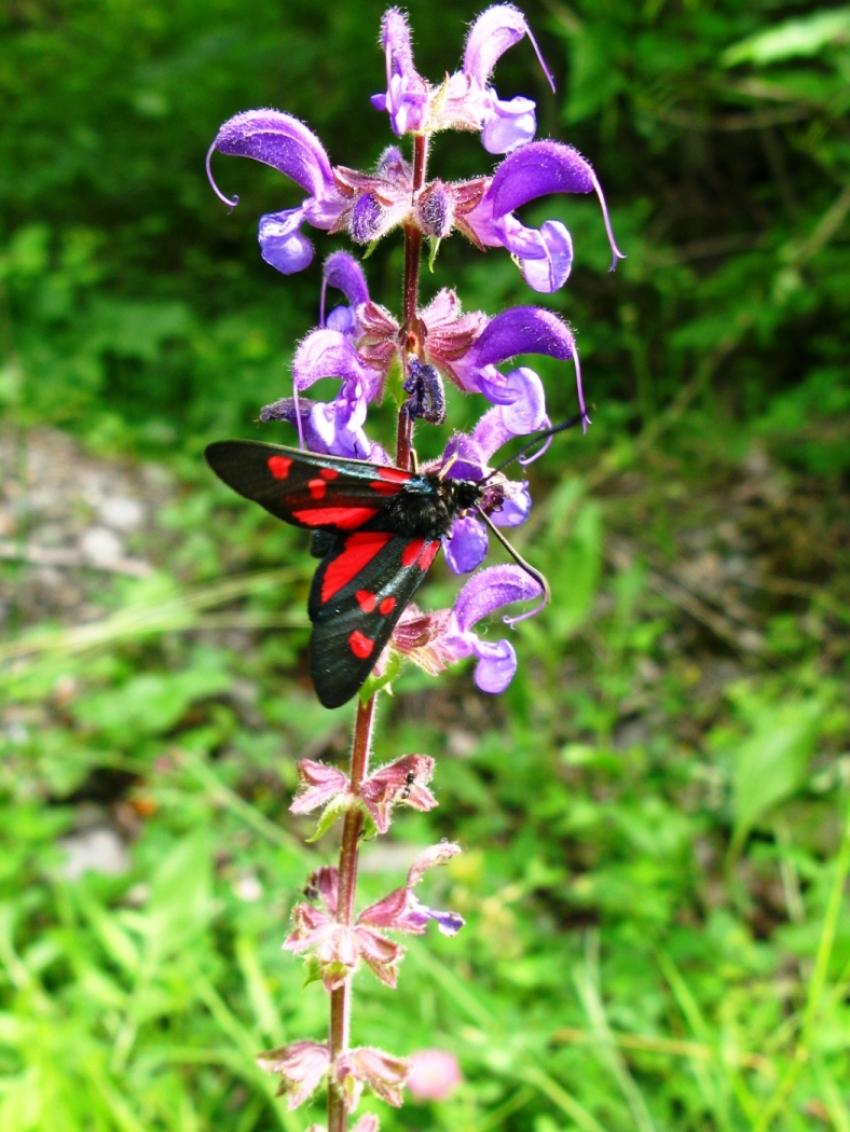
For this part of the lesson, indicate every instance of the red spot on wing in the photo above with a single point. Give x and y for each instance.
(329, 473)
(357, 551)
(317, 488)
(382, 487)
(420, 552)
(279, 466)
(393, 475)
(428, 554)
(411, 551)
(360, 644)
(344, 518)
(366, 601)
(387, 606)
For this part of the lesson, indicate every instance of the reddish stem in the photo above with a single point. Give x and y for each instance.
(410, 298)
(348, 857)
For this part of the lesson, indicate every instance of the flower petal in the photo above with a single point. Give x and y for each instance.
(508, 124)
(496, 665)
(407, 92)
(522, 330)
(540, 169)
(493, 32)
(275, 139)
(434, 1074)
(282, 245)
(431, 858)
(328, 353)
(466, 544)
(384, 1073)
(548, 267)
(520, 409)
(516, 505)
(491, 589)
(367, 1123)
(301, 1067)
(380, 954)
(318, 784)
(401, 781)
(344, 273)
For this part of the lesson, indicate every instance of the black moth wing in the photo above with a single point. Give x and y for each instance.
(307, 489)
(360, 590)
(376, 546)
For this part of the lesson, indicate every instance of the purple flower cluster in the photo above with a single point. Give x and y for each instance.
(369, 205)
(360, 344)
(371, 357)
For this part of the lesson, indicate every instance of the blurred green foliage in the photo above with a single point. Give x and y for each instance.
(655, 817)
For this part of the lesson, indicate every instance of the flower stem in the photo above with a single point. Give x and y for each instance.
(361, 745)
(410, 297)
(340, 1023)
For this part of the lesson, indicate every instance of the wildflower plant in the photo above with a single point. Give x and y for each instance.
(377, 357)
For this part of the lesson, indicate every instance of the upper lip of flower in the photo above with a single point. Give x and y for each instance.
(465, 100)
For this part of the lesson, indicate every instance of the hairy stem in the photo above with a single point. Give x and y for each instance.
(410, 299)
(340, 1023)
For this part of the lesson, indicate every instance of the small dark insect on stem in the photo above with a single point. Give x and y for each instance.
(409, 780)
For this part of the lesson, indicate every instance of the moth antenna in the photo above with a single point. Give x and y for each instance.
(543, 435)
(521, 562)
(447, 467)
(298, 423)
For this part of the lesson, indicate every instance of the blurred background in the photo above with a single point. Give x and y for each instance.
(654, 817)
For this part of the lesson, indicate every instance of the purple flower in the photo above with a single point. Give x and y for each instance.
(333, 428)
(318, 785)
(407, 92)
(360, 341)
(337, 948)
(518, 330)
(279, 140)
(336, 427)
(434, 1074)
(368, 204)
(467, 348)
(433, 641)
(384, 1073)
(467, 456)
(537, 170)
(487, 591)
(504, 125)
(402, 911)
(343, 272)
(301, 1067)
(465, 100)
(403, 781)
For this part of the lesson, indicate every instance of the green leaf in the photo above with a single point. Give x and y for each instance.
(770, 766)
(333, 811)
(795, 39)
(149, 704)
(579, 565)
(180, 903)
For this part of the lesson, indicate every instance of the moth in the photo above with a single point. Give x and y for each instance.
(377, 529)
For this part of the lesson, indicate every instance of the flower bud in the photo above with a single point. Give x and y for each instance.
(434, 210)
